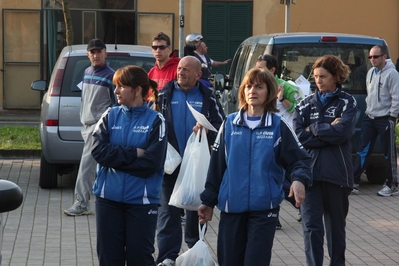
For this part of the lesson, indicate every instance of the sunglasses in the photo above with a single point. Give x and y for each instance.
(375, 56)
(162, 47)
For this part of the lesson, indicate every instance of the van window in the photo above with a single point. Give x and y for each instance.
(298, 59)
(240, 67)
(259, 50)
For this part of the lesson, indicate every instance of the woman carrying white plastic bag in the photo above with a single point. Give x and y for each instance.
(245, 177)
(193, 170)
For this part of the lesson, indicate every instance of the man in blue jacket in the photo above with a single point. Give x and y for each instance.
(181, 123)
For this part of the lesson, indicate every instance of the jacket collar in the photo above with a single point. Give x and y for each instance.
(265, 121)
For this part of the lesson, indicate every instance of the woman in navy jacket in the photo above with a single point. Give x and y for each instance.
(130, 147)
(324, 123)
(245, 177)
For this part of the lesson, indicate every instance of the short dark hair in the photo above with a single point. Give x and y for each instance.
(162, 37)
(271, 60)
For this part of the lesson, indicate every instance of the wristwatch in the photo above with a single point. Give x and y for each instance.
(282, 99)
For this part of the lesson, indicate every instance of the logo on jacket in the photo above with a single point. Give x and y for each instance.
(141, 129)
(330, 112)
(237, 133)
(314, 116)
(264, 134)
(116, 127)
(196, 104)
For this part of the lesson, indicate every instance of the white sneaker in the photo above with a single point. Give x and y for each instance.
(387, 191)
(355, 189)
(77, 210)
(167, 262)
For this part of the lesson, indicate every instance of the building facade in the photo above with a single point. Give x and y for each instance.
(34, 31)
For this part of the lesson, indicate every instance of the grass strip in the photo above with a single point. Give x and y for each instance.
(19, 138)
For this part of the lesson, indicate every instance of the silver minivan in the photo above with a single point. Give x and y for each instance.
(60, 127)
(296, 53)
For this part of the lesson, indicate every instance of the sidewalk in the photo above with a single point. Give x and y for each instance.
(17, 115)
(38, 233)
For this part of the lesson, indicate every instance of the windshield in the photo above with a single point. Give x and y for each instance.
(297, 59)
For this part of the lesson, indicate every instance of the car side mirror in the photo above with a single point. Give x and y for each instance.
(39, 85)
(220, 81)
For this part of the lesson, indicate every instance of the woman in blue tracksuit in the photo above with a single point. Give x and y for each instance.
(130, 147)
(324, 123)
(245, 177)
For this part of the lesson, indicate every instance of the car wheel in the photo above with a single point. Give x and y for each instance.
(375, 174)
(48, 174)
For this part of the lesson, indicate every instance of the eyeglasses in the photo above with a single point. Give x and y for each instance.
(375, 56)
(162, 47)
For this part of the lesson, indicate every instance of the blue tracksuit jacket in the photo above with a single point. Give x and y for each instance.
(246, 168)
(121, 175)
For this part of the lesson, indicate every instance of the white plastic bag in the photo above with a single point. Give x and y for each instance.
(172, 161)
(192, 176)
(198, 255)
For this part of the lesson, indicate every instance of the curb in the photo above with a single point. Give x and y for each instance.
(20, 153)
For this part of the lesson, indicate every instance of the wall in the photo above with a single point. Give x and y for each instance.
(12, 4)
(367, 17)
(192, 14)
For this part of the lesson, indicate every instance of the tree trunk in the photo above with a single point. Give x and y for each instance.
(68, 24)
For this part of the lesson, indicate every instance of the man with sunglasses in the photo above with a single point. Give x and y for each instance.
(382, 108)
(165, 66)
(287, 98)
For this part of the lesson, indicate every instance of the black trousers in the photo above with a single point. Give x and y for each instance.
(371, 129)
(246, 239)
(330, 201)
(125, 233)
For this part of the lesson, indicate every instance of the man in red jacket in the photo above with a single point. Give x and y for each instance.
(165, 68)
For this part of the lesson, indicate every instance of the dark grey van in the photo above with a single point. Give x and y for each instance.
(296, 53)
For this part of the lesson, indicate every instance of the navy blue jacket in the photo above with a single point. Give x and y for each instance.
(206, 71)
(121, 175)
(329, 145)
(211, 109)
(246, 171)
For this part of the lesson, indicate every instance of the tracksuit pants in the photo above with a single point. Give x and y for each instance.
(331, 201)
(125, 233)
(371, 128)
(87, 169)
(246, 239)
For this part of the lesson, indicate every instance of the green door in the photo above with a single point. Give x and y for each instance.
(224, 26)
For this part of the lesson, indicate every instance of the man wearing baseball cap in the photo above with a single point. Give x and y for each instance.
(97, 96)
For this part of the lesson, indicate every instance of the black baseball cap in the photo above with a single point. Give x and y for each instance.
(96, 44)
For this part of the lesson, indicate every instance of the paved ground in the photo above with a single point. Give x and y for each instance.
(38, 233)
